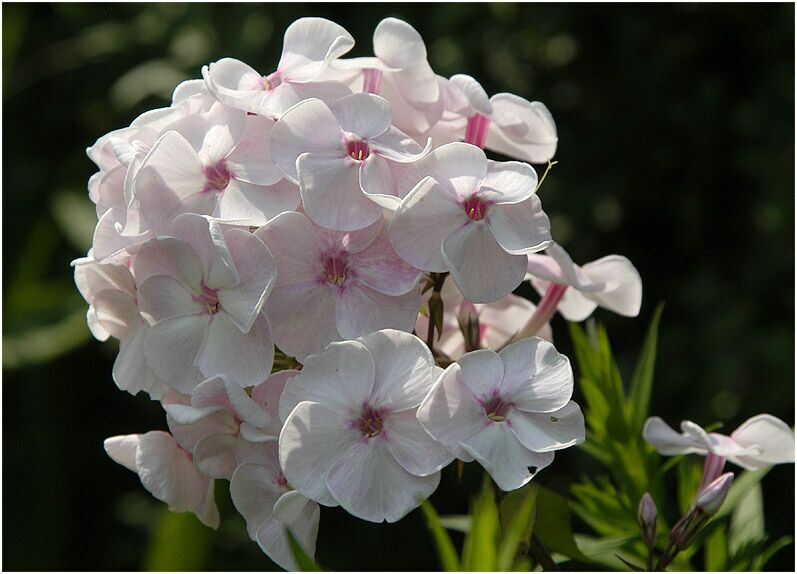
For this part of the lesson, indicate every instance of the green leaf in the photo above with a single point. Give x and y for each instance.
(303, 560)
(747, 520)
(480, 549)
(456, 522)
(445, 547)
(517, 519)
(553, 524)
(179, 543)
(765, 556)
(689, 476)
(642, 380)
(716, 550)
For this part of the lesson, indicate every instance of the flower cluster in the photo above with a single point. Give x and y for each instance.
(318, 209)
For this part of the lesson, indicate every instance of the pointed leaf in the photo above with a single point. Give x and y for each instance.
(303, 559)
(445, 547)
(642, 381)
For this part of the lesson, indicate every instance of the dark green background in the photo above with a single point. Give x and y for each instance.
(676, 127)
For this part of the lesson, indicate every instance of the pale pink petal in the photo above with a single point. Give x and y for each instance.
(510, 464)
(398, 44)
(403, 374)
(235, 84)
(521, 129)
(267, 394)
(474, 93)
(543, 432)
(309, 45)
(574, 305)
(171, 347)
(414, 448)
(771, 435)
(289, 506)
(622, 286)
(170, 257)
(425, 218)
(312, 440)
(207, 239)
(130, 371)
(168, 472)
(341, 378)
(450, 412)
(246, 409)
(308, 127)
(481, 268)
(173, 158)
(397, 146)
(380, 268)
(369, 483)
(214, 456)
(245, 203)
(122, 449)
(668, 442)
(254, 491)
(502, 320)
(417, 107)
(508, 182)
(161, 297)
(458, 167)
(537, 377)
(225, 128)
(303, 317)
(361, 310)
(330, 188)
(246, 358)
(257, 272)
(520, 228)
(364, 115)
(293, 241)
(116, 312)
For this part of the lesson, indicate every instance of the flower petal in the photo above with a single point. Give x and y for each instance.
(414, 448)
(668, 442)
(309, 45)
(536, 376)
(771, 435)
(508, 182)
(481, 268)
(521, 129)
(362, 310)
(363, 114)
(214, 456)
(482, 371)
(245, 203)
(171, 347)
(312, 441)
(543, 432)
(379, 267)
(122, 449)
(520, 228)
(161, 297)
(622, 286)
(369, 483)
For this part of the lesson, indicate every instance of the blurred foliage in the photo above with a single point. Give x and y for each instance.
(676, 125)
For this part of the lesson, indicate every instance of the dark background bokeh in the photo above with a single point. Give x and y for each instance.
(676, 149)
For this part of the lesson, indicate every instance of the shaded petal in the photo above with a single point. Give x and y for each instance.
(668, 442)
(246, 358)
(341, 378)
(508, 182)
(161, 297)
(537, 377)
(307, 127)
(312, 441)
(425, 218)
(414, 448)
(379, 267)
(170, 348)
(369, 483)
(361, 310)
(403, 369)
(543, 432)
(293, 241)
(309, 45)
(331, 193)
(520, 228)
(398, 44)
(170, 257)
(474, 93)
(481, 268)
(450, 413)
(622, 286)
(771, 435)
(303, 317)
(510, 464)
(178, 164)
(207, 239)
(521, 129)
(131, 372)
(214, 456)
(458, 167)
(482, 371)
(235, 84)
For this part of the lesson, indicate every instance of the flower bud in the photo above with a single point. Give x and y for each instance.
(711, 497)
(646, 516)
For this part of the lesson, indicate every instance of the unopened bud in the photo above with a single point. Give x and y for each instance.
(468, 319)
(711, 497)
(646, 516)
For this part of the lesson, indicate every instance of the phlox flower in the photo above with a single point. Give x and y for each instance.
(219, 422)
(213, 164)
(167, 471)
(400, 73)
(351, 436)
(760, 441)
(261, 493)
(509, 410)
(474, 217)
(505, 123)
(336, 152)
(202, 288)
(493, 324)
(309, 45)
(110, 291)
(334, 285)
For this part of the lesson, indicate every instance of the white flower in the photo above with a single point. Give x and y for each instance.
(473, 217)
(760, 441)
(508, 410)
(352, 437)
(167, 472)
(310, 44)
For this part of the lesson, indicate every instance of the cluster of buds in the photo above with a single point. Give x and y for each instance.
(319, 210)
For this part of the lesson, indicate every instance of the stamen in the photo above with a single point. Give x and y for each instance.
(370, 423)
(210, 299)
(336, 269)
(496, 409)
(358, 150)
(475, 208)
(271, 81)
(217, 176)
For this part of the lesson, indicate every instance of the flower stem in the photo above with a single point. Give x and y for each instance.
(542, 555)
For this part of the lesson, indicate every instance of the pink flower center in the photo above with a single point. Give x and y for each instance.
(271, 81)
(357, 150)
(336, 269)
(496, 409)
(475, 208)
(210, 299)
(370, 422)
(217, 176)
